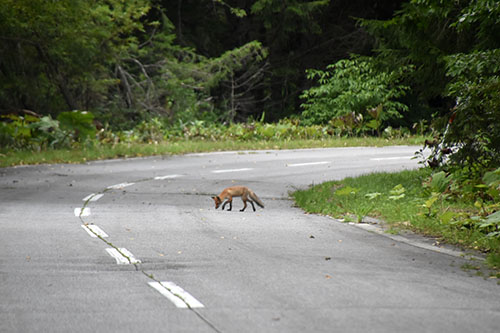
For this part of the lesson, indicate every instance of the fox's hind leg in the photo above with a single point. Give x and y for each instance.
(244, 206)
(245, 200)
(252, 204)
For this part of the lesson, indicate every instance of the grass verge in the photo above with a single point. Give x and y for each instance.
(398, 199)
(98, 151)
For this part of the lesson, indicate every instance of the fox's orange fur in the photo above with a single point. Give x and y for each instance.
(246, 194)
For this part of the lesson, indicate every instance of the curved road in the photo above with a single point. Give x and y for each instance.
(136, 245)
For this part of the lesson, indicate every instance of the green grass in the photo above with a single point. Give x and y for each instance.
(350, 199)
(328, 198)
(110, 151)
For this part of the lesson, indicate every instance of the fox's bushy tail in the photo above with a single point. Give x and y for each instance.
(255, 198)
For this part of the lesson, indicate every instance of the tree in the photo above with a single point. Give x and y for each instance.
(120, 60)
(56, 55)
(454, 48)
(298, 35)
(355, 89)
(475, 83)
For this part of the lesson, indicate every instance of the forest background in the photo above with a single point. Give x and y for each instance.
(81, 73)
(353, 67)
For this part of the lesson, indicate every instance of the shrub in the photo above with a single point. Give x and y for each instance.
(355, 94)
(475, 83)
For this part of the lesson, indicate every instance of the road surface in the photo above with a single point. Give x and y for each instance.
(137, 246)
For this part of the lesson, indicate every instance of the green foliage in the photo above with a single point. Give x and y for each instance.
(77, 129)
(116, 57)
(15, 130)
(233, 79)
(454, 48)
(475, 83)
(79, 123)
(420, 34)
(483, 17)
(57, 55)
(354, 92)
(238, 12)
(288, 17)
(209, 131)
(36, 133)
(482, 217)
(439, 182)
(397, 192)
(47, 133)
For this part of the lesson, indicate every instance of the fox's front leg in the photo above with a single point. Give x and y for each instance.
(230, 202)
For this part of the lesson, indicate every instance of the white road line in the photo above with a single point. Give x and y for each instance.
(119, 186)
(123, 257)
(167, 177)
(307, 164)
(93, 197)
(177, 295)
(231, 170)
(391, 158)
(94, 231)
(82, 212)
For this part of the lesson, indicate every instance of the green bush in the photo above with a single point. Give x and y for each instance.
(475, 83)
(15, 130)
(78, 123)
(354, 95)
(30, 132)
(77, 128)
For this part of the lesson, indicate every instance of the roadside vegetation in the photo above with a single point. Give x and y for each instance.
(72, 138)
(451, 207)
(84, 80)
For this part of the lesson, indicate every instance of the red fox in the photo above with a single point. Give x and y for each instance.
(245, 193)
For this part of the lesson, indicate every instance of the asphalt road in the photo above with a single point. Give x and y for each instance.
(164, 260)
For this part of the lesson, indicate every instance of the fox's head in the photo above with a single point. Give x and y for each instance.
(218, 201)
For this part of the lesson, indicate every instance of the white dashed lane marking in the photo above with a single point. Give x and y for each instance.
(93, 197)
(177, 295)
(119, 186)
(231, 170)
(82, 212)
(94, 231)
(122, 256)
(307, 164)
(167, 177)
